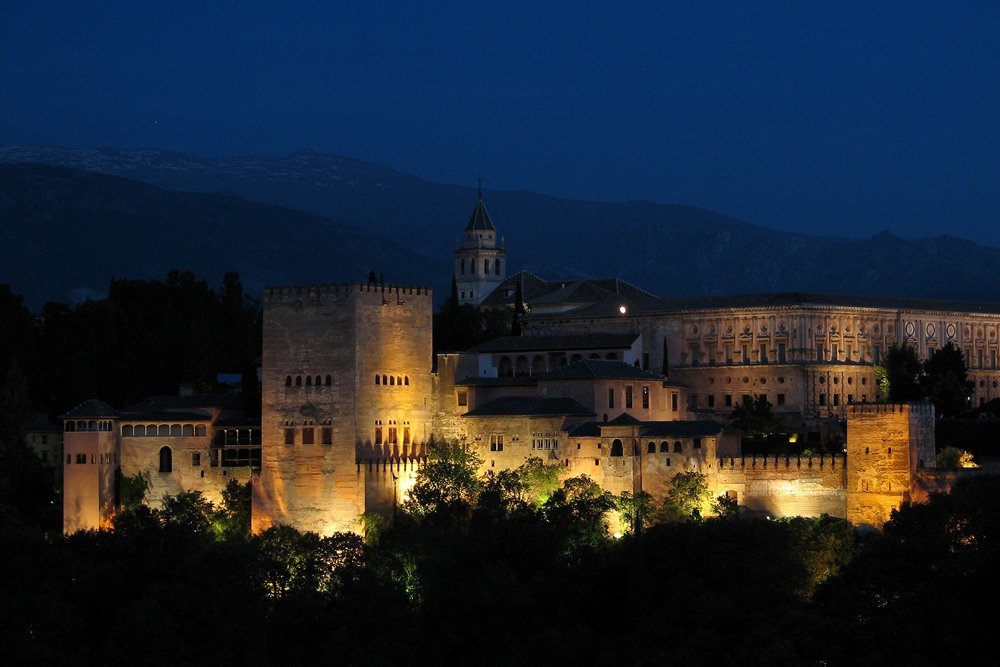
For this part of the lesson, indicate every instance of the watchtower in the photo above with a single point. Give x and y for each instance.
(886, 444)
(346, 381)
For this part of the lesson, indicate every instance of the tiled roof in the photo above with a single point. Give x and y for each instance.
(788, 300)
(556, 342)
(671, 429)
(593, 369)
(165, 415)
(187, 402)
(92, 409)
(624, 419)
(610, 291)
(585, 430)
(681, 429)
(480, 220)
(518, 381)
(531, 406)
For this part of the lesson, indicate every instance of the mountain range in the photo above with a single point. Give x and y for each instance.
(309, 217)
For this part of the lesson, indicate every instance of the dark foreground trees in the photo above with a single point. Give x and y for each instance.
(514, 576)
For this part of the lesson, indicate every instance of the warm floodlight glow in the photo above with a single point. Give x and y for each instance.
(622, 309)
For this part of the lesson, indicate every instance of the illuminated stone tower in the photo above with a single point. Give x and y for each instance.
(346, 407)
(480, 258)
(90, 456)
(887, 443)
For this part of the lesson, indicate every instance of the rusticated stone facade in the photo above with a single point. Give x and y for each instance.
(346, 383)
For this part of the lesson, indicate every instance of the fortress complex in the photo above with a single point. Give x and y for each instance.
(607, 380)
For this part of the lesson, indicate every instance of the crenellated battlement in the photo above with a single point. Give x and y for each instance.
(341, 291)
(923, 408)
(779, 462)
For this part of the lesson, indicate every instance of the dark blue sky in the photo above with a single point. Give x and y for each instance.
(845, 118)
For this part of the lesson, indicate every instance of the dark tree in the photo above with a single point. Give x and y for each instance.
(945, 381)
(899, 375)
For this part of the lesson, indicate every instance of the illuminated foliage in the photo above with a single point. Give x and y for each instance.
(636, 510)
(953, 457)
(447, 486)
(686, 498)
(725, 507)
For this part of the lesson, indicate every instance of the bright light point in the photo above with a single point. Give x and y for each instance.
(617, 536)
(622, 309)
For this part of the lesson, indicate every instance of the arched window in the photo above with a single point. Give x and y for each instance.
(298, 380)
(385, 380)
(163, 430)
(521, 366)
(406, 380)
(651, 448)
(594, 355)
(175, 429)
(392, 380)
(199, 430)
(329, 380)
(538, 365)
(378, 379)
(611, 356)
(288, 380)
(309, 381)
(127, 430)
(92, 425)
(486, 266)
(664, 446)
(506, 368)
(399, 381)
(70, 427)
(140, 430)
(616, 447)
(166, 460)
(319, 380)
(188, 430)
(677, 447)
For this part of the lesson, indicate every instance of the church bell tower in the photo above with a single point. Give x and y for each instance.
(480, 258)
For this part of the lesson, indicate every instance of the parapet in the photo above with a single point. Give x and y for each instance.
(781, 462)
(923, 408)
(342, 291)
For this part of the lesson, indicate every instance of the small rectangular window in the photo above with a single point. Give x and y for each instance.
(326, 433)
(196, 458)
(781, 399)
(763, 353)
(378, 435)
(406, 435)
(645, 398)
(711, 400)
(392, 439)
(746, 353)
(81, 458)
(781, 353)
(692, 401)
(308, 435)
(820, 352)
(822, 399)
(728, 402)
(611, 397)
(673, 401)
(463, 399)
(289, 436)
(628, 397)
(836, 399)
(645, 361)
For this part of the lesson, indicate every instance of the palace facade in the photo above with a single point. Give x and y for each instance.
(607, 380)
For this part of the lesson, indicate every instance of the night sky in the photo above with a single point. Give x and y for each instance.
(841, 118)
